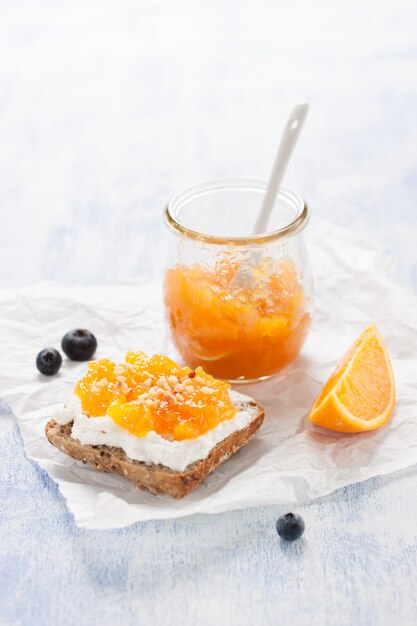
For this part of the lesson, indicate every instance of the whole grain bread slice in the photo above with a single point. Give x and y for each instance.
(156, 478)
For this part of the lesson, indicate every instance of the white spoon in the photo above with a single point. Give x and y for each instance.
(289, 138)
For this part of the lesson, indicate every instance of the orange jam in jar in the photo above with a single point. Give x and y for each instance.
(154, 393)
(237, 320)
(239, 305)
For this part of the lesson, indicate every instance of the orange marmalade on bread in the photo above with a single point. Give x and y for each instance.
(155, 393)
(240, 320)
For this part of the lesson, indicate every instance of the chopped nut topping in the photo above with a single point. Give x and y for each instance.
(207, 390)
(99, 384)
(148, 382)
(162, 382)
(157, 392)
(179, 397)
(121, 385)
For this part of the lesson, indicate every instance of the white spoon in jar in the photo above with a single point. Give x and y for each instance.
(289, 138)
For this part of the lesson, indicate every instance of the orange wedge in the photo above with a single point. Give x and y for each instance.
(360, 394)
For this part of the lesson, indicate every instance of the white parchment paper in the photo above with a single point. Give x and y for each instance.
(290, 460)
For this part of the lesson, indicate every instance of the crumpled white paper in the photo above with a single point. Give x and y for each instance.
(290, 460)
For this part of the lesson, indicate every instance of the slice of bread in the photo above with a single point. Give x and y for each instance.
(156, 478)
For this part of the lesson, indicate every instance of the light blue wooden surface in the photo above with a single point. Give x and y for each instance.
(106, 109)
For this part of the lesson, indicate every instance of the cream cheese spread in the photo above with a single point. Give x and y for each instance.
(152, 448)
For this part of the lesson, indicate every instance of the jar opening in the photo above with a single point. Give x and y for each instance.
(224, 212)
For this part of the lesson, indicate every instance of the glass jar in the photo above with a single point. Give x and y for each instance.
(238, 304)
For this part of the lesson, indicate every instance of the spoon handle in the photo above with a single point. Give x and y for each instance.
(289, 138)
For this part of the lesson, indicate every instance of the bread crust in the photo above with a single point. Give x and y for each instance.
(154, 478)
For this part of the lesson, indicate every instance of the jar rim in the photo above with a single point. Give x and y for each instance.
(293, 227)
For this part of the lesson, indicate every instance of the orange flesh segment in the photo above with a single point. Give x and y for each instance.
(155, 393)
(360, 394)
(235, 319)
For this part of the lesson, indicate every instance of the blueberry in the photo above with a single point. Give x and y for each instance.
(290, 526)
(79, 344)
(48, 361)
